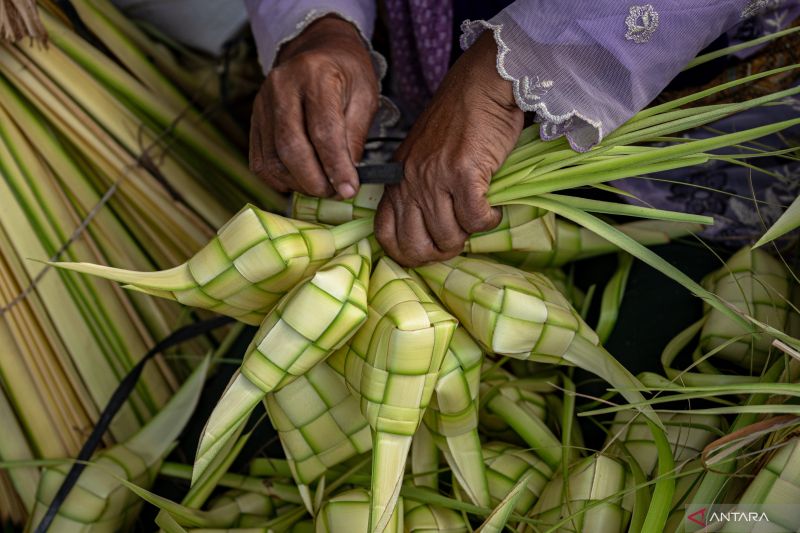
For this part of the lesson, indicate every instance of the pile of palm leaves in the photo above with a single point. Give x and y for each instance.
(439, 398)
(102, 161)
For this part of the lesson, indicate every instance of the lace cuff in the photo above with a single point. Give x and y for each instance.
(584, 72)
(557, 117)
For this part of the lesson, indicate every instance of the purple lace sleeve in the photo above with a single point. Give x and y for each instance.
(586, 66)
(275, 22)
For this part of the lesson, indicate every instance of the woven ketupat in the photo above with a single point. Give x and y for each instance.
(506, 465)
(508, 311)
(315, 318)
(392, 364)
(330, 211)
(523, 315)
(775, 490)
(452, 416)
(757, 284)
(687, 433)
(255, 258)
(422, 518)
(349, 512)
(523, 228)
(99, 501)
(319, 423)
(312, 321)
(239, 509)
(571, 243)
(595, 479)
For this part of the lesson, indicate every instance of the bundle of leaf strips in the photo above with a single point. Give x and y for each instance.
(104, 160)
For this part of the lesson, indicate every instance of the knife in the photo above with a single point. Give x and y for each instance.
(383, 173)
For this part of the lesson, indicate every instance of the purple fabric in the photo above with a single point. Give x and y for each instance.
(420, 36)
(727, 191)
(584, 67)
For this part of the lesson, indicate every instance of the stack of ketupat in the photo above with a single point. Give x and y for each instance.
(102, 159)
(354, 353)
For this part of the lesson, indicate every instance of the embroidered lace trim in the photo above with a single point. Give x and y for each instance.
(754, 7)
(581, 131)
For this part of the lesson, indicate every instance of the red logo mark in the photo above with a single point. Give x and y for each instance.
(698, 517)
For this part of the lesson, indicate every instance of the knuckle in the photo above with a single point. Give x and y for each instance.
(444, 255)
(468, 172)
(317, 188)
(274, 174)
(476, 222)
(274, 177)
(417, 250)
(273, 80)
(276, 184)
(308, 61)
(288, 146)
(324, 129)
(451, 243)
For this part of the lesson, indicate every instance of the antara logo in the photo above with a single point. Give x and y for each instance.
(698, 517)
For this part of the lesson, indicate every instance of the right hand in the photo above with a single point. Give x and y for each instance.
(313, 112)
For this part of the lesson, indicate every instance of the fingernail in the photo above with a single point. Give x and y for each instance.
(346, 190)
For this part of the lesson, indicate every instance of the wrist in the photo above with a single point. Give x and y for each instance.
(483, 55)
(329, 31)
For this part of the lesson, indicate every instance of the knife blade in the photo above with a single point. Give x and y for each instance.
(383, 173)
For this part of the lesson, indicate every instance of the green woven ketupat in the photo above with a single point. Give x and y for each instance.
(572, 243)
(99, 502)
(330, 211)
(506, 465)
(319, 423)
(776, 490)
(254, 260)
(349, 512)
(522, 228)
(392, 364)
(422, 518)
(757, 284)
(314, 319)
(592, 480)
(687, 433)
(240, 509)
(452, 416)
(508, 311)
(523, 315)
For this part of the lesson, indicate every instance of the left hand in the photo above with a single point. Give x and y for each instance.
(449, 157)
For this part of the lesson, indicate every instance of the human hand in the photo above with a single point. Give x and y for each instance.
(312, 114)
(449, 156)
